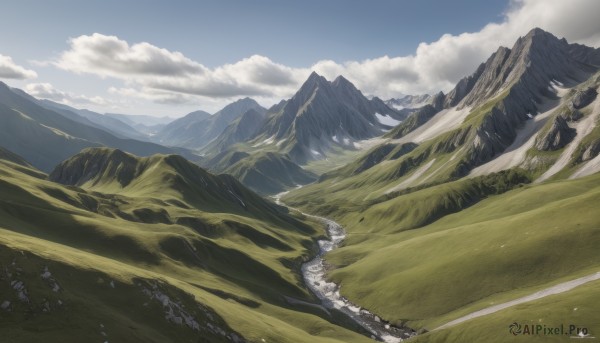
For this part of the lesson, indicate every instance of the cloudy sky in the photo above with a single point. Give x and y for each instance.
(174, 57)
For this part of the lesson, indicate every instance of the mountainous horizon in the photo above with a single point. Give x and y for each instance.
(458, 216)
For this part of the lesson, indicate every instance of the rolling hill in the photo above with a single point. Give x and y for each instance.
(151, 250)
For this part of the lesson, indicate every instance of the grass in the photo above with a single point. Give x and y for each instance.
(575, 307)
(270, 173)
(522, 239)
(236, 262)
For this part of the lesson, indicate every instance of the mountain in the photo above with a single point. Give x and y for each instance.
(479, 190)
(146, 124)
(269, 173)
(240, 130)
(12, 157)
(135, 119)
(44, 137)
(199, 128)
(322, 114)
(500, 96)
(534, 61)
(114, 171)
(419, 117)
(101, 121)
(409, 101)
(266, 151)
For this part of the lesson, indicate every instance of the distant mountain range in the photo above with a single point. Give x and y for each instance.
(409, 101)
(44, 137)
(199, 128)
(105, 122)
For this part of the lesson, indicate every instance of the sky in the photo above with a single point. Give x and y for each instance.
(169, 58)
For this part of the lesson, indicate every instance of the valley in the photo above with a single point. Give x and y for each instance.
(330, 216)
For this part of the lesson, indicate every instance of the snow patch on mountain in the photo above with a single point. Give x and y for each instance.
(583, 128)
(516, 152)
(387, 120)
(443, 121)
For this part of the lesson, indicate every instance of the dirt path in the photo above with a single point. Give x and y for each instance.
(556, 289)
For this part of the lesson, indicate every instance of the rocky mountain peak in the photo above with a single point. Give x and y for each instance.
(314, 79)
(342, 82)
(534, 60)
(314, 82)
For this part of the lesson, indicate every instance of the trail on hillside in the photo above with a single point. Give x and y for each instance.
(556, 289)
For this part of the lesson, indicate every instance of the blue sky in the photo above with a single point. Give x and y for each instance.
(296, 33)
(264, 49)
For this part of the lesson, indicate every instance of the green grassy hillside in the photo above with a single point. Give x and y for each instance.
(233, 269)
(577, 307)
(429, 256)
(269, 173)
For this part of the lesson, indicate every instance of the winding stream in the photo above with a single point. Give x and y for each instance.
(315, 277)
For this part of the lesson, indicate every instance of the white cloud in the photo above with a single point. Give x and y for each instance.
(47, 91)
(10, 70)
(164, 76)
(440, 64)
(111, 56)
(153, 68)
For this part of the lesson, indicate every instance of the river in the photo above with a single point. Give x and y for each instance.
(315, 277)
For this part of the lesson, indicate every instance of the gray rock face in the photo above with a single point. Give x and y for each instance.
(463, 87)
(242, 129)
(418, 118)
(584, 97)
(487, 79)
(572, 115)
(559, 135)
(525, 71)
(438, 101)
(591, 151)
(381, 153)
(584, 53)
(321, 110)
(535, 60)
(498, 128)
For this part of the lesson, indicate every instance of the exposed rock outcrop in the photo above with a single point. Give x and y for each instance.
(582, 98)
(524, 72)
(381, 153)
(572, 114)
(415, 120)
(559, 135)
(591, 151)
(322, 114)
